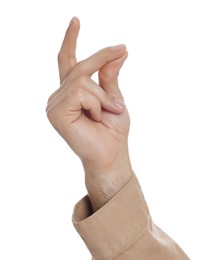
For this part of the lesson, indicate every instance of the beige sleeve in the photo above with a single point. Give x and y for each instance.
(123, 229)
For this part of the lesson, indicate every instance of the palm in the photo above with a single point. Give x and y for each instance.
(98, 141)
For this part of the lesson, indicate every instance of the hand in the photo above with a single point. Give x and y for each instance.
(91, 117)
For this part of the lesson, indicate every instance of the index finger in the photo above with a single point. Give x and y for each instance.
(96, 61)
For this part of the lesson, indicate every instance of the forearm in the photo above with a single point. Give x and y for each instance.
(103, 184)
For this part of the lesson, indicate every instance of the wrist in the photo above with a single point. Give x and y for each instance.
(104, 183)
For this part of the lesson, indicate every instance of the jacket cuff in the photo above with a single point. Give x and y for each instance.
(114, 227)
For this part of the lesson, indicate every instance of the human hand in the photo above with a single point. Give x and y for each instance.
(91, 117)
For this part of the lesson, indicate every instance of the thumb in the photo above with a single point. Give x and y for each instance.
(108, 76)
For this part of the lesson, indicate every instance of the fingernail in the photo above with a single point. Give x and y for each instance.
(119, 104)
(118, 47)
(75, 19)
(71, 21)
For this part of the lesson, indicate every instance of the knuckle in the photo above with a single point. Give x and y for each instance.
(82, 81)
(72, 56)
(51, 97)
(54, 116)
(104, 75)
(104, 53)
(79, 93)
(51, 115)
(55, 119)
(60, 56)
(109, 97)
(81, 66)
(108, 74)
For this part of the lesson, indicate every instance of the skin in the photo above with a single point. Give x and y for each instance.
(92, 117)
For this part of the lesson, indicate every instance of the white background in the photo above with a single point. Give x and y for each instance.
(168, 84)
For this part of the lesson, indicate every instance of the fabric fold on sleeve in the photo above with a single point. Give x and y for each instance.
(123, 228)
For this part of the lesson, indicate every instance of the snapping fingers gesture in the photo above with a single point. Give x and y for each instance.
(91, 116)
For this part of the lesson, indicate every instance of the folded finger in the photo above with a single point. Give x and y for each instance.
(108, 76)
